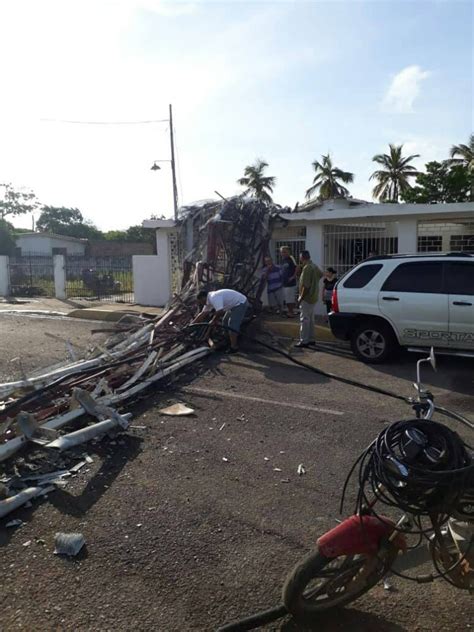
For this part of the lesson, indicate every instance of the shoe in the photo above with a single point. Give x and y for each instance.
(301, 345)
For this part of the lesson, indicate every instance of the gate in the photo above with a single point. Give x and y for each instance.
(346, 245)
(31, 275)
(100, 278)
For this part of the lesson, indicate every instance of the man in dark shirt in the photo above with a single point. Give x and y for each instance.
(288, 269)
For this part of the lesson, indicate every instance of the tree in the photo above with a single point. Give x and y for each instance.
(393, 179)
(463, 155)
(133, 233)
(327, 180)
(441, 182)
(17, 202)
(7, 240)
(258, 185)
(66, 221)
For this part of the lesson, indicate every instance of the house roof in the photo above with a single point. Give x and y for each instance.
(52, 236)
(316, 203)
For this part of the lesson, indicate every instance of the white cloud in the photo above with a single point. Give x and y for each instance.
(404, 89)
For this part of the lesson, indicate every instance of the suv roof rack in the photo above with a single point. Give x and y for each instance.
(420, 254)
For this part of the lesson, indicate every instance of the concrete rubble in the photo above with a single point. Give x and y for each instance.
(74, 402)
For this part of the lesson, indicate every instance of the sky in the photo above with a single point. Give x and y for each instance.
(286, 81)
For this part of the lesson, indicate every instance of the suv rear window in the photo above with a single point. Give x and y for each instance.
(460, 278)
(360, 277)
(425, 277)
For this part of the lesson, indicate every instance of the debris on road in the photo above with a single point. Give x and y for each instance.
(177, 410)
(13, 523)
(89, 391)
(301, 470)
(68, 544)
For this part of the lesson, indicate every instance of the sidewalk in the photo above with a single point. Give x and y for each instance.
(290, 328)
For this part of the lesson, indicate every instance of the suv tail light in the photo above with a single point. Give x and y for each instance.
(334, 301)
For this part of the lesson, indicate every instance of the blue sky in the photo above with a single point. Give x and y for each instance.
(284, 81)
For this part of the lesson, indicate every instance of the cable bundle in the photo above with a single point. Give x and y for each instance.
(419, 466)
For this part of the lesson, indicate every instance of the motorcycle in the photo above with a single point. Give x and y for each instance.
(419, 466)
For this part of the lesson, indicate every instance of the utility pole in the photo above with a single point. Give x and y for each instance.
(173, 167)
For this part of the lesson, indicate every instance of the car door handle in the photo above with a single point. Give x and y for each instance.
(461, 303)
(390, 298)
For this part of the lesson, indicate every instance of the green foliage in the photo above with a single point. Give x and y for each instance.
(464, 155)
(257, 184)
(66, 221)
(17, 202)
(441, 182)
(327, 180)
(7, 240)
(133, 233)
(393, 179)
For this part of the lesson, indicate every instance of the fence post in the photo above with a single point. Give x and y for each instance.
(59, 276)
(4, 276)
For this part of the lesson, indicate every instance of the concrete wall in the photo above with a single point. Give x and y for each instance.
(44, 244)
(4, 276)
(107, 248)
(151, 280)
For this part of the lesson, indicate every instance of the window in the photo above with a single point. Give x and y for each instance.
(462, 243)
(460, 278)
(424, 277)
(430, 243)
(360, 277)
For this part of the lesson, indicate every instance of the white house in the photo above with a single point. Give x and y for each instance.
(49, 244)
(338, 233)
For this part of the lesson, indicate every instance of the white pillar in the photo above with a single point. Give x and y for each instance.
(315, 245)
(407, 235)
(59, 276)
(4, 276)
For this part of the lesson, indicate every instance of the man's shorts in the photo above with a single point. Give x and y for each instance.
(289, 294)
(234, 317)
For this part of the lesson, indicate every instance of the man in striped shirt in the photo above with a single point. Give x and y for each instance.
(274, 280)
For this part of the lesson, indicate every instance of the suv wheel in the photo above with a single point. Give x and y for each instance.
(373, 342)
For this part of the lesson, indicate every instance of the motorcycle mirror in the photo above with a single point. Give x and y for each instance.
(433, 359)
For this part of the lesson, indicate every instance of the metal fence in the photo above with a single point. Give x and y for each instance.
(100, 278)
(296, 247)
(346, 245)
(31, 274)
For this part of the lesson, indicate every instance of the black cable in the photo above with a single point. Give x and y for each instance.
(255, 621)
(338, 378)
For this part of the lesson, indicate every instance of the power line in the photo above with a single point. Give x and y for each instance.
(48, 120)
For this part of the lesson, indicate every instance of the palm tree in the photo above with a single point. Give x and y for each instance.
(258, 185)
(463, 155)
(327, 180)
(393, 179)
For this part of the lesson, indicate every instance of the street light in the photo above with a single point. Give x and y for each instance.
(156, 166)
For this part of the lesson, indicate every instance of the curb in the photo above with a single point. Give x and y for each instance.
(98, 314)
(292, 330)
(109, 315)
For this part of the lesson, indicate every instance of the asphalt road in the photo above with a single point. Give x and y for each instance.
(192, 522)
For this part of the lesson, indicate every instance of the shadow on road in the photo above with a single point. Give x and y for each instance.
(453, 373)
(340, 620)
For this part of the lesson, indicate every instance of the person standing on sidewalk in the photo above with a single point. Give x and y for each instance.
(329, 282)
(273, 278)
(307, 299)
(288, 270)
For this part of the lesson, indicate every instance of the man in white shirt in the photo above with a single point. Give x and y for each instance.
(233, 305)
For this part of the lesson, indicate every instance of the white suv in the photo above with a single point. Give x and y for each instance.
(406, 300)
